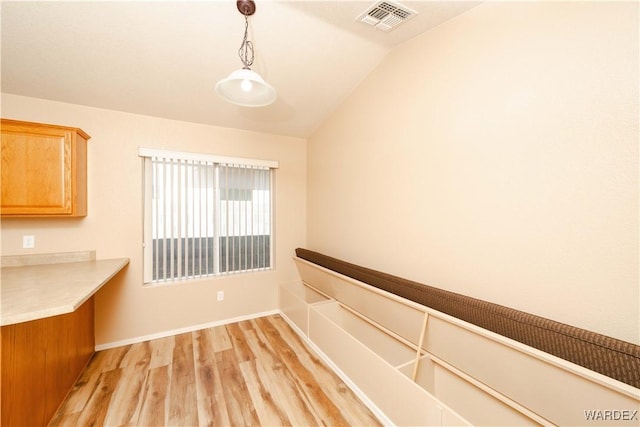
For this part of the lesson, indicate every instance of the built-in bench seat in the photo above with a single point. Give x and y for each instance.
(473, 361)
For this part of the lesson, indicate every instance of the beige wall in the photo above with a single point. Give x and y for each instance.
(126, 309)
(496, 156)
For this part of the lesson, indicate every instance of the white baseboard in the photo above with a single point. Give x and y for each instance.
(363, 397)
(169, 333)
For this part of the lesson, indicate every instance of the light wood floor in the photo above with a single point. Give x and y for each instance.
(252, 373)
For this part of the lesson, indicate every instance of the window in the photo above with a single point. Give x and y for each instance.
(205, 215)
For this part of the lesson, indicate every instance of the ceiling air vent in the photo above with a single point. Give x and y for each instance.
(386, 15)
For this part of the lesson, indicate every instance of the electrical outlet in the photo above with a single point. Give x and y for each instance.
(28, 242)
(220, 295)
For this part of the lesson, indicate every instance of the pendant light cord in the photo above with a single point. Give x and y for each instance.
(246, 48)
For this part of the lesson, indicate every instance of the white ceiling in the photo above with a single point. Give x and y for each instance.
(164, 58)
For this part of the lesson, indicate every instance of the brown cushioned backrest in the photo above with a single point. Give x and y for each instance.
(609, 356)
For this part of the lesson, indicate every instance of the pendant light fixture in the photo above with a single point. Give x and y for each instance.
(245, 87)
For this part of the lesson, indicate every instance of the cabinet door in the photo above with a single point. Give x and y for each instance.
(39, 171)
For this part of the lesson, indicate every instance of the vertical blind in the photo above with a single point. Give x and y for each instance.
(205, 215)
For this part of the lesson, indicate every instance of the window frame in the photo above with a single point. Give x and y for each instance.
(147, 154)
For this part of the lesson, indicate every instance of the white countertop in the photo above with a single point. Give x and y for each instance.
(39, 291)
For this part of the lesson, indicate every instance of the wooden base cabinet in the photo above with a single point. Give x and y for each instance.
(43, 170)
(41, 361)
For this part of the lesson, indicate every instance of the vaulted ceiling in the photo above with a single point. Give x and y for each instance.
(164, 58)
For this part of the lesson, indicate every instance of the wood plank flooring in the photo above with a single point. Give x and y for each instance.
(252, 373)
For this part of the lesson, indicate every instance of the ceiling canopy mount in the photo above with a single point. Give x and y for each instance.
(246, 7)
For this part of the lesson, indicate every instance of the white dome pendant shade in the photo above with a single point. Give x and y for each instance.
(246, 88)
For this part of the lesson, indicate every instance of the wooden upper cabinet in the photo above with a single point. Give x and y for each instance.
(44, 170)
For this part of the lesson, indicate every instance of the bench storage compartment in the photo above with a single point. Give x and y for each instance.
(295, 300)
(370, 358)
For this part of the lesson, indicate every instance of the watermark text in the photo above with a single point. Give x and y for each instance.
(610, 415)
